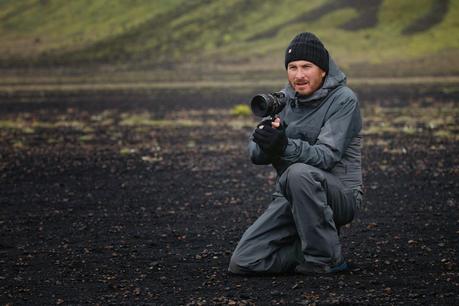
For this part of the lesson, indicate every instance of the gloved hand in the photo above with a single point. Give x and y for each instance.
(271, 140)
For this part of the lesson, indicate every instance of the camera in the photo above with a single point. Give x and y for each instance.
(264, 105)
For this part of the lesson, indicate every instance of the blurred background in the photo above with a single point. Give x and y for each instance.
(47, 41)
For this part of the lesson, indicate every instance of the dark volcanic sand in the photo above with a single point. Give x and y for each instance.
(95, 208)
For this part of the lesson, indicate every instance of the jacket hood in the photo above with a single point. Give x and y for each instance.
(334, 78)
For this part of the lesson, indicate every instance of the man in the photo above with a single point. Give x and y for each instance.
(315, 147)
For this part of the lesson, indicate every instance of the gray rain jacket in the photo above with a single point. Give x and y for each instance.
(323, 131)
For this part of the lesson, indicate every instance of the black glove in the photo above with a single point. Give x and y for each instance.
(271, 140)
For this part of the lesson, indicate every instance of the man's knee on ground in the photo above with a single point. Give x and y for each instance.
(236, 265)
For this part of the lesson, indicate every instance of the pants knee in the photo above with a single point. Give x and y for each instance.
(300, 170)
(302, 174)
(236, 266)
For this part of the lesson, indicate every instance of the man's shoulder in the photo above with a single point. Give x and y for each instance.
(343, 98)
(344, 92)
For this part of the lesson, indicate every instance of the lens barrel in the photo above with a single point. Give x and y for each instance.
(264, 105)
(261, 105)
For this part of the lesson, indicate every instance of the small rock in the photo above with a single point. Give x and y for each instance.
(372, 225)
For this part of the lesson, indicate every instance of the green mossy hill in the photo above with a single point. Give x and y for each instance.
(393, 37)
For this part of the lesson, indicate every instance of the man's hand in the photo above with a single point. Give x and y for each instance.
(272, 138)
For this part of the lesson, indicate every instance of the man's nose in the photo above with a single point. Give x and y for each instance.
(300, 74)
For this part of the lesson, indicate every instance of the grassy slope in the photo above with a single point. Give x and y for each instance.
(221, 32)
(31, 27)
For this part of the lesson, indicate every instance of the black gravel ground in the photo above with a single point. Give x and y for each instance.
(140, 198)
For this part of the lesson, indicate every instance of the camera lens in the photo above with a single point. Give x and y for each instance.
(260, 105)
(268, 104)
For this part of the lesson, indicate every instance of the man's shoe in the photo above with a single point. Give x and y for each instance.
(343, 267)
(310, 269)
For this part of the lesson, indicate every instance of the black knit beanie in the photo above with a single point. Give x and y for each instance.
(306, 46)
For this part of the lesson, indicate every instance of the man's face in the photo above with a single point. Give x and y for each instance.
(305, 77)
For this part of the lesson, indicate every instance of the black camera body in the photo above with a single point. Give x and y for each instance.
(264, 105)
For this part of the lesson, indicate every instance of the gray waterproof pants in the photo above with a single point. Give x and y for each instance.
(299, 226)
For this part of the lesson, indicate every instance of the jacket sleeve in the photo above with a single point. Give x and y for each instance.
(334, 137)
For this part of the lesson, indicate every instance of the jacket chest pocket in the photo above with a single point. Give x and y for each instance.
(304, 132)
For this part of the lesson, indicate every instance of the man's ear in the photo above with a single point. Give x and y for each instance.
(323, 73)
